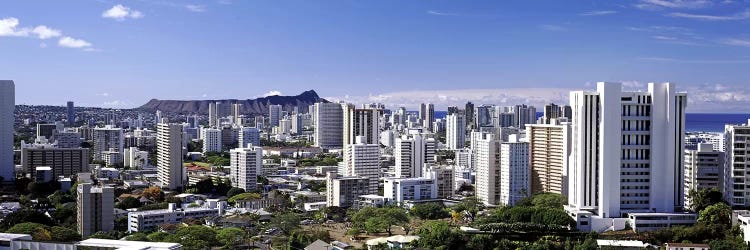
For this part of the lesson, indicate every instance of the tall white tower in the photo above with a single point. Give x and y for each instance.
(170, 171)
(245, 166)
(455, 132)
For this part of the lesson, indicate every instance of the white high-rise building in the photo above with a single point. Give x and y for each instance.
(361, 122)
(134, 158)
(410, 156)
(329, 125)
(211, 140)
(96, 206)
(274, 115)
(297, 123)
(344, 191)
(106, 138)
(237, 113)
(7, 118)
(626, 153)
(170, 171)
(245, 165)
(487, 163)
(716, 139)
(249, 135)
(704, 169)
(514, 172)
(524, 115)
(363, 160)
(736, 172)
(455, 133)
(549, 151)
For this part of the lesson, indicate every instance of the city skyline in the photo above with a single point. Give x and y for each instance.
(121, 54)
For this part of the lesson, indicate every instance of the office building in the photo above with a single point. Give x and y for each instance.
(524, 115)
(469, 115)
(363, 160)
(95, 209)
(400, 190)
(212, 140)
(427, 115)
(170, 171)
(135, 158)
(297, 123)
(106, 138)
(213, 116)
(62, 161)
(249, 135)
(737, 170)
(274, 115)
(549, 150)
(514, 172)
(245, 166)
(47, 130)
(344, 191)
(626, 154)
(444, 179)
(692, 139)
(150, 220)
(237, 113)
(68, 139)
(455, 133)
(361, 122)
(71, 119)
(329, 125)
(704, 169)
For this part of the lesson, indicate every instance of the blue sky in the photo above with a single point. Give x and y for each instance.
(123, 53)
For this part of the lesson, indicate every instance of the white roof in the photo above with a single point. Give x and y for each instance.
(622, 243)
(9, 237)
(396, 238)
(129, 245)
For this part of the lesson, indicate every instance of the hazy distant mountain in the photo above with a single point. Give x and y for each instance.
(249, 106)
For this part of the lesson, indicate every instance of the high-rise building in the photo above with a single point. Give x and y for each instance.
(704, 169)
(47, 130)
(487, 163)
(297, 123)
(626, 152)
(514, 172)
(249, 135)
(410, 155)
(211, 140)
(237, 113)
(71, 120)
(427, 115)
(363, 160)
(245, 166)
(213, 116)
(361, 122)
(95, 209)
(549, 150)
(106, 138)
(62, 161)
(444, 178)
(524, 115)
(455, 132)
(469, 115)
(170, 171)
(274, 115)
(736, 173)
(68, 139)
(483, 116)
(554, 111)
(329, 125)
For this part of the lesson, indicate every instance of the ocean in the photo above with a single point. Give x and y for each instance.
(694, 122)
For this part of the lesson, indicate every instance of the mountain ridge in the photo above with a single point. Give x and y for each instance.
(249, 106)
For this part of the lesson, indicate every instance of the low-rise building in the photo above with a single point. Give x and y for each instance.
(399, 190)
(144, 221)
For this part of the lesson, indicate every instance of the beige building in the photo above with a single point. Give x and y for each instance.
(95, 209)
(170, 171)
(549, 150)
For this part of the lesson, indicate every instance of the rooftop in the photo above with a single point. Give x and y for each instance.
(129, 245)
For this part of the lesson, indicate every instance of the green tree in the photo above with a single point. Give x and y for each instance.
(286, 222)
(194, 237)
(481, 241)
(469, 206)
(25, 215)
(37, 231)
(438, 234)
(128, 202)
(716, 214)
(157, 236)
(703, 198)
(139, 236)
(430, 211)
(62, 234)
(244, 196)
(231, 237)
(549, 200)
(234, 191)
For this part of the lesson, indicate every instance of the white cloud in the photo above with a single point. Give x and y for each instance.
(9, 27)
(694, 61)
(120, 13)
(224, 2)
(674, 4)
(195, 8)
(270, 93)
(440, 13)
(42, 45)
(551, 27)
(738, 16)
(736, 42)
(44, 32)
(103, 94)
(599, 13)
(70, 42)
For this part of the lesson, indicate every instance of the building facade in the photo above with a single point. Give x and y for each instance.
(170, 171)
(95, 209)
(245, 165)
